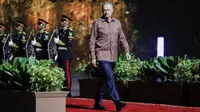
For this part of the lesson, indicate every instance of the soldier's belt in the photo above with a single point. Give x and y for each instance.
(64, 48)
(39, 49)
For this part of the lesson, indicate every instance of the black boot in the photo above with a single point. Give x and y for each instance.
(99, 106)
(119, 105)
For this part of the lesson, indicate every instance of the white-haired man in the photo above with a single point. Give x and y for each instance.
(106, 32)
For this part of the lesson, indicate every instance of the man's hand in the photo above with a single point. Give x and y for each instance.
(94, 63)
(128, 56)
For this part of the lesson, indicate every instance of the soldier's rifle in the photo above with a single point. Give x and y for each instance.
(26, 47)
(9, 36)
(3, 48)
(48, 49)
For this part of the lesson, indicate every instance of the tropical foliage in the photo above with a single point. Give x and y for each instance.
(128, 70)
(158, 69)
(30, 75)
(188, 70)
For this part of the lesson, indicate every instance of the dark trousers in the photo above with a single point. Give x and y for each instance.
(1, 56)
(1, 53)
(19, 53)
(1, 60)
(65, 63)
(43, 54)
(107, 81)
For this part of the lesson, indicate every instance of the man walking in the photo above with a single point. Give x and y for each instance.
(106, 32)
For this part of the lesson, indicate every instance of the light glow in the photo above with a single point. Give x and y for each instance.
(160, 46)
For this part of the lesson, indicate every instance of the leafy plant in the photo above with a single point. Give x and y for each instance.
(152, 70)
(89, 71)
(127, 70)
(81, 68)
(12, 76)
(188, 70)
(31, 75)
(93, 72)
(168, 64)
(159, 69)
(45, 78)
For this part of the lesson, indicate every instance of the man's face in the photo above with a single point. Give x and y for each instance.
(107, 10)
(1, 29)
(41, 26)
(64, 23)
(18, 28)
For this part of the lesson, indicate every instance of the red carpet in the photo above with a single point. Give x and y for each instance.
(85, 105)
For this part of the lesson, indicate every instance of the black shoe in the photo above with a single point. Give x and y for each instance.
(99, 106)
(119, 105)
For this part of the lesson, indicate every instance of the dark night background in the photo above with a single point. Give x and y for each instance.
(177, 21)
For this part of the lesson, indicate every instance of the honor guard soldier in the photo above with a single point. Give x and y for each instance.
(7, 50)
(41, 40)
(64, 45)
(18, 41)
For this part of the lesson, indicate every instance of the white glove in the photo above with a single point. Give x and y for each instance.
(56, 40)
(10, 43)
(33, 42)
(10, 58)
(56, 56)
